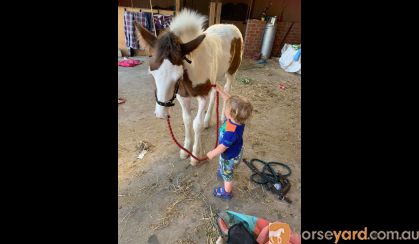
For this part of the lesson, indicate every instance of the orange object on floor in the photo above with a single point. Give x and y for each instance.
(121, 100)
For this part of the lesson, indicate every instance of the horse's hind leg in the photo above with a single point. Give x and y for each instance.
(227, 88)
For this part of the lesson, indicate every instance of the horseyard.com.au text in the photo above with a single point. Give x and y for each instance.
(347, 235)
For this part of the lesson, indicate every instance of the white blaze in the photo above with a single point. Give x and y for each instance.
(165, 77)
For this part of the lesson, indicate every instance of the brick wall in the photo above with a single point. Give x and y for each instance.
(253, 37)
(293, 37)
(254, 32)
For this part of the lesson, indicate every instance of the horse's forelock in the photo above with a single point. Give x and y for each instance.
(167, 47)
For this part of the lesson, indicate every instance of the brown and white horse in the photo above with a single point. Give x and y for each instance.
(185, 61)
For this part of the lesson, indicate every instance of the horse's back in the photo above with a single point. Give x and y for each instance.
(229, 40)
(225, 32)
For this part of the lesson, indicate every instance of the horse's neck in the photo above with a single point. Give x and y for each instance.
(202, 65)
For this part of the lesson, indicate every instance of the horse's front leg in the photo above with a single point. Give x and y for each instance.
(198, 126)
(185, 103)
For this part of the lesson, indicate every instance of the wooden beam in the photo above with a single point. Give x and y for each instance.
(212, 13)
(249, 10)
(155, 11)
(152, 18)
(177, 6)
(218, 15)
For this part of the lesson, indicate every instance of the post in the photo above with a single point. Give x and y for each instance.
(177, 7)
(211, 18)
(218, 16)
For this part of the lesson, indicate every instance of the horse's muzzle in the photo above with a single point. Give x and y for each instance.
(161, 113)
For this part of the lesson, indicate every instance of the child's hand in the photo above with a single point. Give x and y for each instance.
(218, 88)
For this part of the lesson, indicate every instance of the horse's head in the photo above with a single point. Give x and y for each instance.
(166, 64)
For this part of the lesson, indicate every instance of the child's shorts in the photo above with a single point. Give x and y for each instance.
(226, 166)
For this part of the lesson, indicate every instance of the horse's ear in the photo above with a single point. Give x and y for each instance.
(148, 38)
(190, 46)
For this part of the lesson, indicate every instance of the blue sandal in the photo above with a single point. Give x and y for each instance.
(221, 193)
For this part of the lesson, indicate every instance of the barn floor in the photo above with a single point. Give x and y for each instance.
(162, 199)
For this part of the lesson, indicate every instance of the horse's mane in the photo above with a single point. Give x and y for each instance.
(188, 24)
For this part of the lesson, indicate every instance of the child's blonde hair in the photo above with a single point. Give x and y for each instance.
(240, 108)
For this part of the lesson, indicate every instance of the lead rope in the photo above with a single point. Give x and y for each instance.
(186, 150)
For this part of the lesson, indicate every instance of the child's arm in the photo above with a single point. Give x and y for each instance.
(224, 94)
(217, 151)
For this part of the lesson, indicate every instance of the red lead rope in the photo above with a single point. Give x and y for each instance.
(186, 150)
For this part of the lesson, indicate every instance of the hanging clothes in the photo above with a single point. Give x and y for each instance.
(162, 21)
(129, 29)
(131, 40)
(149, 25)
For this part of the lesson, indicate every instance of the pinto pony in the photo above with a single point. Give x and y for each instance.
(185, 62)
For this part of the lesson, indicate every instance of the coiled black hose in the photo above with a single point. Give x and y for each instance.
(269, 174)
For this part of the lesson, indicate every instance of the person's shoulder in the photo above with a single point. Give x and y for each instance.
(241, 126)
(230, 127)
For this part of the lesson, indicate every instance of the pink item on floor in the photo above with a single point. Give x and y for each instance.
(281, 86)
(129, 63)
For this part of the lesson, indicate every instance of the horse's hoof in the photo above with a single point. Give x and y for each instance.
(206, 125)
(194, 162)
(220, 240)
(198, 163)
(183, 154)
